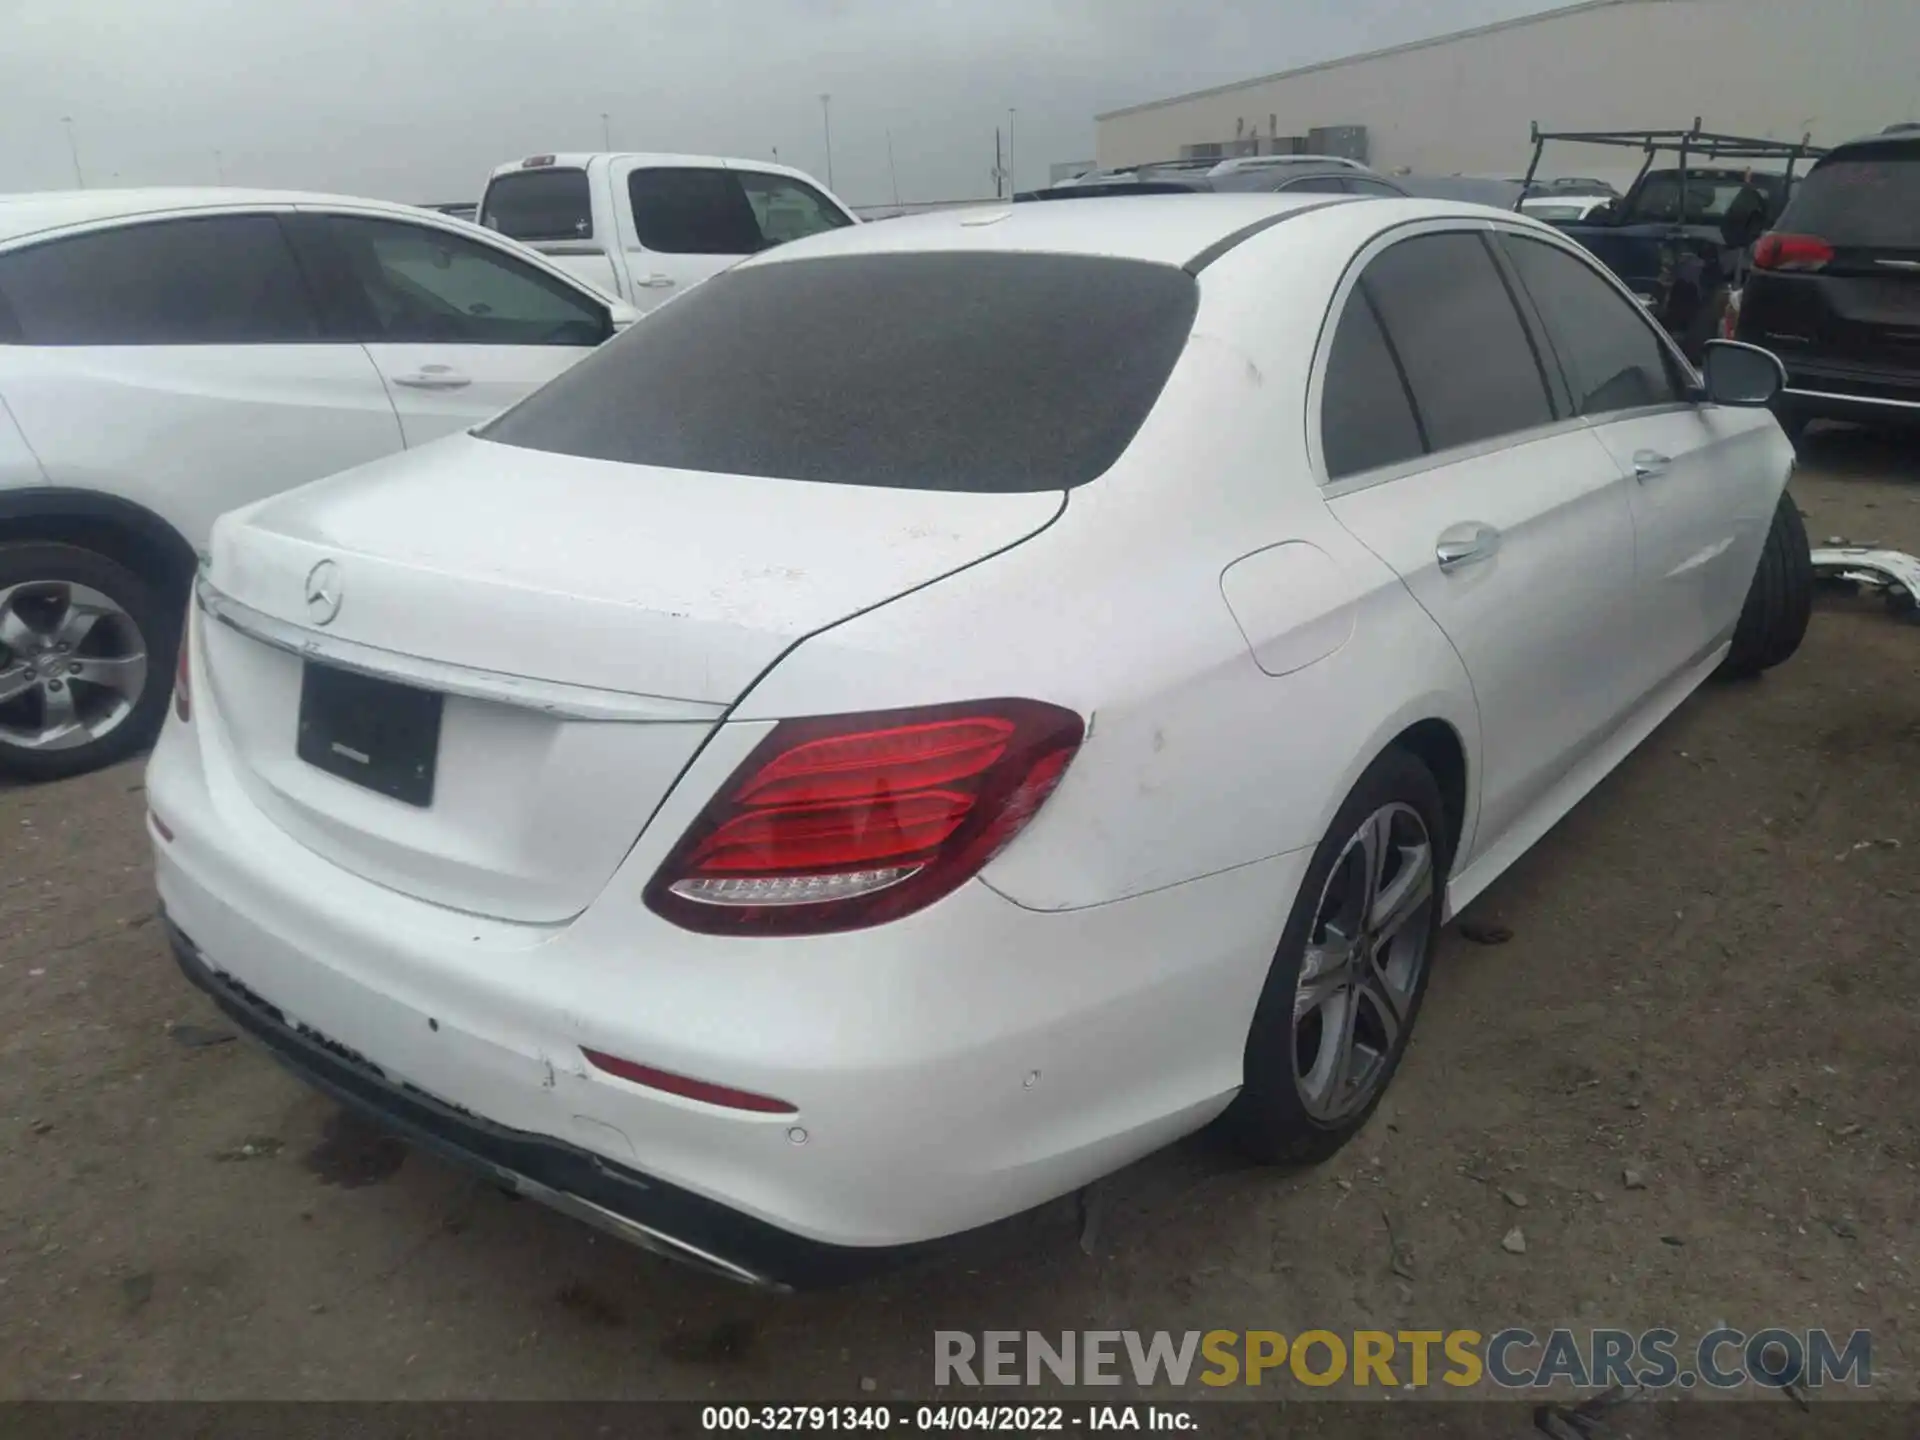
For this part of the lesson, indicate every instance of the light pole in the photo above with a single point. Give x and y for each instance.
(1013, 183)
(73, 149)
(606, 131)
(891, 170)
(826, 125)
(219, 167)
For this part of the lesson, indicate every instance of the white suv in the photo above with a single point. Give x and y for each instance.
(166, 355)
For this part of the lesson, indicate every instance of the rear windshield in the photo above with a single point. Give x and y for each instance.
(539, 205)
(1708, 196)
(1861, 197)
(995, 373)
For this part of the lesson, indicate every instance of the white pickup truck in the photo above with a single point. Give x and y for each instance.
(644, 227)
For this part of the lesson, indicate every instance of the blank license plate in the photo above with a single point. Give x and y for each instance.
(379, 735)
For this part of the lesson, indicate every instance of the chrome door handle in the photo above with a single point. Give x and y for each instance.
(434, 377)
(1466, 544)
(655, 282)
(1649, 463)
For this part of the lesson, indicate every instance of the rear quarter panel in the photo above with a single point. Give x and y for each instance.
(1197, 760)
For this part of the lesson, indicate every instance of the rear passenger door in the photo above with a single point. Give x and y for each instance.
(1447, 449)
(180, 363)
(1702, 479)
(457, 328)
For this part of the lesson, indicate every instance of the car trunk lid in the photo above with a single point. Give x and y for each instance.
(578, 627)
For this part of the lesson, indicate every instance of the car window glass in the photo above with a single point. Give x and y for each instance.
(1315, 185)
(1708, 197)
(1451, 322)
(539, 205)
(216, 280)
(1361, 185)
(941, 370)
(1611, 356)
(422, 284)
(788, 209)
(1366, 419)
(1867, 198)
(704, 211)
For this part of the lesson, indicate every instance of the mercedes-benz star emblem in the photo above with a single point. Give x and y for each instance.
(323, 592)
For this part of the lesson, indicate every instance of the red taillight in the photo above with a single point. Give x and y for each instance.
(701, 1090)
(1778, 251)
(183, 673)
(852, 820)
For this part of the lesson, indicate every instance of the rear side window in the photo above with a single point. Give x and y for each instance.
(1612, 359)
(1866, 197)
(1366, 419)
(218, 280)
(539, 205)
(1459, 339)
(424, 285)
(1317, 185)
(984, 372)
(703, 211)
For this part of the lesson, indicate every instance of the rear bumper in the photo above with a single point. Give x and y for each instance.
(641, 1209)
(945, 1071)
(1825, 391)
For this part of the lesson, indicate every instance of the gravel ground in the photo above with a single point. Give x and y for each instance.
(1711, 980)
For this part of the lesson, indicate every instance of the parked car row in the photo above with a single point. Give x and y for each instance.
(675, 790)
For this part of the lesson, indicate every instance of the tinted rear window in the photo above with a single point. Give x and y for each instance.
(981, 372)
(539, 205)
(1864, 197)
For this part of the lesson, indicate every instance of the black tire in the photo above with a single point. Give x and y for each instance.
(1795, 427)
(1779, 602)
(146, 625)
(1269, 1120)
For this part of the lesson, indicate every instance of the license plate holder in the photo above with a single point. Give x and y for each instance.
(378, 734)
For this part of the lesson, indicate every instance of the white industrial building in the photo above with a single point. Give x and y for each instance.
(1463, 103)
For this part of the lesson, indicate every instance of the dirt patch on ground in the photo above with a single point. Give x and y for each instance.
(1692, 1059)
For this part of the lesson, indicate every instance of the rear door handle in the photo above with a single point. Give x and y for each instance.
(1649, 463)
(655, 282)
(1466, 544)
(434, 377)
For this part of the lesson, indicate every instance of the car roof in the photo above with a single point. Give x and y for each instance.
(580, 159)
(31, 213)
(1894, 137)
(1174, 230)
(1164, 229)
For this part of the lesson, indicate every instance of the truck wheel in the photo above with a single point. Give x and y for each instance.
(86, 661)
(1780, 601)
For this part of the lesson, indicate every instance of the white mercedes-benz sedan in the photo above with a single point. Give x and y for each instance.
(944, 708)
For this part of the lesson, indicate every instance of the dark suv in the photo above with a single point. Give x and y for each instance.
(1835, 286)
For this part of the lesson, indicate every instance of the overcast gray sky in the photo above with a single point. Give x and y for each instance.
(417, 99)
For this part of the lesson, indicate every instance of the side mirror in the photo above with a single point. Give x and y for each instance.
(1742, 375)
(1605, 214)
(621, 314)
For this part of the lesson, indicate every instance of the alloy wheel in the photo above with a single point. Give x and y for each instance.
(1366, 952)
(73, 665)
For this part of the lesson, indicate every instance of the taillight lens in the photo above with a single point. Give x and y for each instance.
(183, 672)
(847, 821)
(1779, 251)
